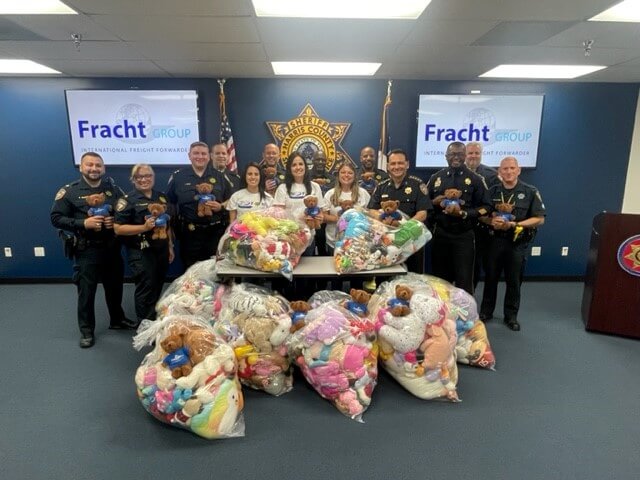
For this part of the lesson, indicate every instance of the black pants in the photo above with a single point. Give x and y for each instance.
(321, 240)
(95, 264)
(503, 254)
(482, 246)
(415, 263)
(199, 244)
(149, 267)
(452, 256)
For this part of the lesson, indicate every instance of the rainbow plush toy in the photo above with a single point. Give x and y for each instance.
(189, 379)
(365, 243)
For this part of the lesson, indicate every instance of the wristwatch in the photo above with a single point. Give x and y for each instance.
(463, 214)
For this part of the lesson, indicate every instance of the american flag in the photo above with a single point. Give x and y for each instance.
(226, 136)
(384, 131)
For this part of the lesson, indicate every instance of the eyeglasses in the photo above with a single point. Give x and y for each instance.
(147, 176)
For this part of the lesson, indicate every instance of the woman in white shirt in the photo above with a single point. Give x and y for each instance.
(346, 189)
(251, 196)
(297, 185)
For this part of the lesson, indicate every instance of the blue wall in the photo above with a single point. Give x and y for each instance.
(584, 150)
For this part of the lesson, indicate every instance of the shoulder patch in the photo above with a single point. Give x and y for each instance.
(424, 189)
(61, 193)
(162, 199)
(121, 204)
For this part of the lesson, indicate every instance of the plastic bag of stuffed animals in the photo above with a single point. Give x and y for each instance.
(189, 379)
(336, 351)
(269, 240)
(256, 323)
(194, 293)
(473, 347)
(417, 338)
(366, 243)
(326, 296)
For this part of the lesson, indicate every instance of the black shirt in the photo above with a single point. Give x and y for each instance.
(70, 208)
(474, 194)
(378, 177)
(325, 187)
(489, 174)
(182, 193)
(132, 209)
(411, 195)
(525, 197)
(233, 180)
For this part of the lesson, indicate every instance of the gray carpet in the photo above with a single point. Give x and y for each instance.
(563, 403)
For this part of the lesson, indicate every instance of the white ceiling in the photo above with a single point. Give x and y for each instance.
(453, 39)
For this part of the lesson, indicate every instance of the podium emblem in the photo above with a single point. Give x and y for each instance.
(629, 255)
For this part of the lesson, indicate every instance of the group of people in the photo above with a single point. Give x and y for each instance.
(470, 229)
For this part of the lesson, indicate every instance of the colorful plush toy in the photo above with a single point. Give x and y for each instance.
(368, 181)
(390, 214)
(204, 195)
(158, 210)
(504, 210)
(451, 203)
(312, 211)
(299, 312)
(399, 305)
(98, 207)
(358, 303)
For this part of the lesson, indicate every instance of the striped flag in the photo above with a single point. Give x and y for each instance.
(384, 131)
(226, 137)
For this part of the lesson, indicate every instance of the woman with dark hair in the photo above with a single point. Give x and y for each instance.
(251, 196)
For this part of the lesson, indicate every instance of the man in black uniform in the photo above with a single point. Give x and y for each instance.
(97, 252)
(474, 162)
(271, 158)
(453, 245)
(326, 181)
(510, 237)
(410, 191)
(370, 177)
(198, 235)
(219, 158)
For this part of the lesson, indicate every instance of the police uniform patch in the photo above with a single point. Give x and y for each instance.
(467, 181)
(520, 196)
(408, 190)
(281, 177)
(424, 189)
(61, 193)
(212, 180)
(438, 182)
(162, 199)
(378, 177)
(108, 193)
(121, 205)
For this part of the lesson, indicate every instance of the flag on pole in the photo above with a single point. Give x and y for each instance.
(384, 131)
(226, 137)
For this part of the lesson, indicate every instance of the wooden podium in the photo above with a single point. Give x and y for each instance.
(611, 299)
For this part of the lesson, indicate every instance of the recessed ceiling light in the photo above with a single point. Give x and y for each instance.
(35, 7)
(399, 9)
(627, 11)
(326, 69)
(541, 71)
(13, 66)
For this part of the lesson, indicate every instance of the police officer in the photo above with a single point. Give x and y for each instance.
(148, 251)
(219, 158)
(198, 234)
(326, 181)
(474, 162)
(410, 191)
(370, 177)
(97, 253)
(510, 237)
(271, 160)
(453, 244)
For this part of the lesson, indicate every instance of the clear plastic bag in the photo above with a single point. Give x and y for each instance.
(336, 352)
(326, 296)
(189, 379)
(257, 323)
(365, 243)
(269, 240)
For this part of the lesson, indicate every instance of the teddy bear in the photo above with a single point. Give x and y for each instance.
(358, 302)
(271, 180)
(452, 202)
(97, 205)
(505, 211)
(399, 305)
(265, 333)
(158, 210)
(344, 206)
(299, 312)
(390, 215)
(312, 211)
(177, 358)
(200, 342)
(367, 181)
(204, 195)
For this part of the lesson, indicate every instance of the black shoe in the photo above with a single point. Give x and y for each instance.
(485, 317)
(124, 324)
(87, 342)
(513, 324)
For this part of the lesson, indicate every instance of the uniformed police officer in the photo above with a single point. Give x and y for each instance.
(219, 158)
(198, 235)
(326, 181)
(370, 177)
(148, 252)
(97, 253)
(453, 244)
(271, 159)
(410, 191)
(511, 234)
(474, 162)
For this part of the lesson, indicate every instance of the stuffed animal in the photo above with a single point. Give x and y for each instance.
(204, 195)
(504, 210)
(409, 230)
(399, 305)
(266, 334)
(358, 302)
(451, 203)
(300, 309)
(345, 205)
(177, 358)
(98, 207)
(390, 214)
(162, 220)
(312, 211)
(404, 334)
(271, 180)
(368, 182)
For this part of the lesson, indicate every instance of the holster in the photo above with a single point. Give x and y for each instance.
(69, 243)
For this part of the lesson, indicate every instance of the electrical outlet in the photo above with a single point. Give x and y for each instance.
(565, 251)
(536, 251)
(8, 252)
(38, 251)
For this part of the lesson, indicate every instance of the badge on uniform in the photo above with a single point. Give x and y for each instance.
(467, 181)
(281, 177)
(438, 182)
(408, 190)
(108, 193)
(378, 177)
(121, 205)
(212, 180)
(520, 196)
(162, 199)
(191, 227)
(60, 194)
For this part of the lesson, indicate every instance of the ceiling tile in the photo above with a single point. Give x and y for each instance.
(60, 27)
(66, 50)
(104, 68)
(221, 52)
(448, 32)
(521, 33)
(216, 69)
